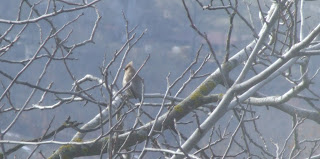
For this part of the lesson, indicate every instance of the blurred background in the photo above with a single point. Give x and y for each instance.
(170, 41)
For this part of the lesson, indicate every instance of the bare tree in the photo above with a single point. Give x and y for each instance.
(275, 74)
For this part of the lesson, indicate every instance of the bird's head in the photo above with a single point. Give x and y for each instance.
(129, 67)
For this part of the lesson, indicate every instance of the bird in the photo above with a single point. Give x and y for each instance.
(135, 89)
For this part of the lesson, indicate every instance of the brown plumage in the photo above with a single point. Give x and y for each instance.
(135, 89)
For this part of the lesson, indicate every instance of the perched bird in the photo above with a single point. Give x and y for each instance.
(135, 90)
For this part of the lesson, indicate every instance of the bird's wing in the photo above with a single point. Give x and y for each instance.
(134, 94)
(137, 89)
